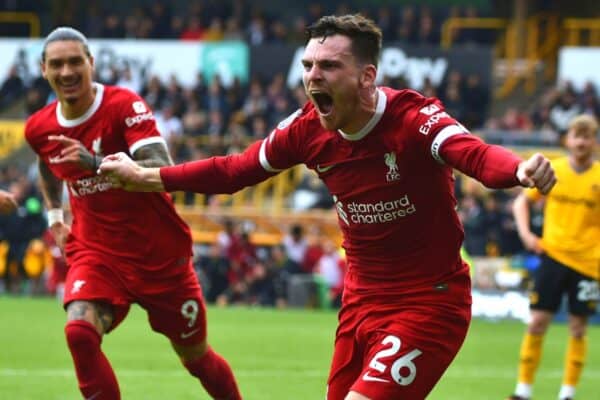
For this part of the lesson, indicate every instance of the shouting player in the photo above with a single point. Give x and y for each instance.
(386, 156)
(122, 247)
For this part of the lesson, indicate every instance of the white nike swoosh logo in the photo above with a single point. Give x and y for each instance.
(186, 335)
(322, 170)
(94, 395)
(369, 378)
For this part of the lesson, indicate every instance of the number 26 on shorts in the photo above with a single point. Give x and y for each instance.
(403, 370)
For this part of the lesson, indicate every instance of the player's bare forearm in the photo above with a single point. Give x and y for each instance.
(135, 178)
(521, 213)
(50, 185)
(146, 180)
(152, 155)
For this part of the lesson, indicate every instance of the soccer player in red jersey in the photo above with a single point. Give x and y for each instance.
(8, 203)
(122, 247)
(386, 156)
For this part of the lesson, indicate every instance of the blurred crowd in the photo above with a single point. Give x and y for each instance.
(234, 270)
(257, 22)
(546, 120)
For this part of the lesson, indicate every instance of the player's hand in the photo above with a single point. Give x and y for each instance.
(129, 175)
(60, 231)
(121, 169)
(8, 204)
(73, 151)
(532, 242)
(536, 172)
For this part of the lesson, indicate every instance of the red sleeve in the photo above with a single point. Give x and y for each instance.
(494, 166)
(136, 120)
(226, 174)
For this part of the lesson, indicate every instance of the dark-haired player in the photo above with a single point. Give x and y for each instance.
(121, 248)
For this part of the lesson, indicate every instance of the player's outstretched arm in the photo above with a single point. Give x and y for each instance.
(8, 204)
(223, 174)
(495, 166)
(129, 175)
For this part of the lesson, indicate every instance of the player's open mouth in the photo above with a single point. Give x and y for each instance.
(323, 102)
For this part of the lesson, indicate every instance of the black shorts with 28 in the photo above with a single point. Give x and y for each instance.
(553, 280)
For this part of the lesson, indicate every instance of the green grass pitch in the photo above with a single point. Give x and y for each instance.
(275, 354)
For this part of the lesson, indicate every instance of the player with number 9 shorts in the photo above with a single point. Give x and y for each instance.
(171, 296)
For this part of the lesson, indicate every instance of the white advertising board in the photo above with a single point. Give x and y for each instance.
(579, 65)
(146, 58)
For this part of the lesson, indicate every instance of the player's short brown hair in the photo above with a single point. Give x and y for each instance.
(365, 34)
(66, 33)
(584, 122)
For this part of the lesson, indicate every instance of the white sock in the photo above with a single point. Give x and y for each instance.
(566, 391)
(524, 390)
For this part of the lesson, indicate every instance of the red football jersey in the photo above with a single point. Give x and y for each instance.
(393, 192)
(141, 227)
(394, 200)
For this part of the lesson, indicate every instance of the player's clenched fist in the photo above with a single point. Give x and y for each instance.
(536, 172)
(120, 167)
(128, 175)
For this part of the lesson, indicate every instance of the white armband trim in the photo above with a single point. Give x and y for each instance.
(441, 137)
(55, 215)
(143, 142)
(262, 155)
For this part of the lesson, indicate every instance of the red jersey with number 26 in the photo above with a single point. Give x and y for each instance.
(140, 227)
(391, 182)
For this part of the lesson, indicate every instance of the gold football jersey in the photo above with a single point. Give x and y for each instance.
(571, 233)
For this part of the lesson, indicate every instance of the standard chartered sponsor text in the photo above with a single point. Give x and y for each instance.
(380, 212)
(92, 185)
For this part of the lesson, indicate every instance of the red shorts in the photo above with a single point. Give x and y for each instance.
(171, 295)
(399, 348)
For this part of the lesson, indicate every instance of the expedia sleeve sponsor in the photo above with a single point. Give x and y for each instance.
(131, 121)
(432, 122)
